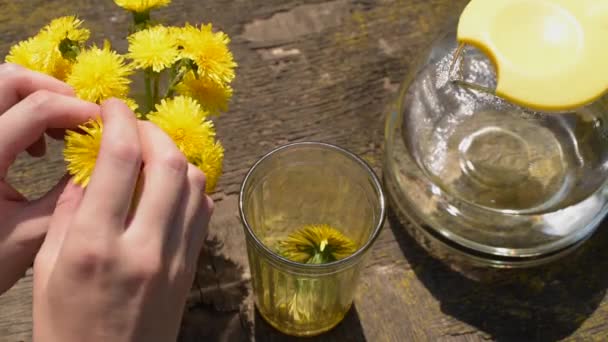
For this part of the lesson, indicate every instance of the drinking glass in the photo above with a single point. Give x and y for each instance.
(293, 186)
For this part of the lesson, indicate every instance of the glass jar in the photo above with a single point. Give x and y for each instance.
(482, 181)
(298, 185)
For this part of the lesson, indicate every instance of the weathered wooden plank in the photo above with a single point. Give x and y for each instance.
(16, 311)
(325, 70)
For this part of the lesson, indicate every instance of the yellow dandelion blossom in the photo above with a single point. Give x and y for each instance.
(81, 150)
(63, 67)
(67, 27)
(153, 48)
(36, 53)
(183, 119)
(140, 6)
(99, 74)
(212, 96)
(41, 54)
(209, 51)
(316, 244)
(312, 244)
(211, 163)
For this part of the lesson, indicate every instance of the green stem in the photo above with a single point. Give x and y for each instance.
(174, 82)
(140, 20)
(149, 97)
(474, 86)
(155, 94)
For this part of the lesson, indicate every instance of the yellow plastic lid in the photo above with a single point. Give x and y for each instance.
(548, 54)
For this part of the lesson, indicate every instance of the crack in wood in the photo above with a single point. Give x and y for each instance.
(296, 22)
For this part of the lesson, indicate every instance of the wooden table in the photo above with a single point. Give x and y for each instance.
(326, 70)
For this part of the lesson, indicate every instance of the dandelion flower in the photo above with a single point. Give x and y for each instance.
(312, 244)
(210, 163)
(153, 48)
(183, 120)
(99, 74)
(42, 53)
(67, 27)
(62, 68)
(316, 244)
(209, 51)
(140, 6)
(81, 151)
(37, 54)
(211, 95)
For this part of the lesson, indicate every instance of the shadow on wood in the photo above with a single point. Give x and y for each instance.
(219, 282)
(214, 308)
(348, 330)
(540, 304)
(207, 324)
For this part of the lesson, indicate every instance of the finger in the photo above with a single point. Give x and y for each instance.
(38, 148)
(109, 193)
(191, 223)
(65, 207)
(34, 218)
(194, 214)
(164, 182)
(8, 193)
(17, 83)
(25, 122)
(30, 227)
(198, 229)
(45, 205)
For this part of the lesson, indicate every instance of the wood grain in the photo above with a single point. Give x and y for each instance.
(326, 71)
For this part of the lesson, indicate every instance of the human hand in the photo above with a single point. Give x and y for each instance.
(110, 273)
(30, 105)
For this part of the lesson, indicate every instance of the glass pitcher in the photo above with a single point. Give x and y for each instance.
(509, 168)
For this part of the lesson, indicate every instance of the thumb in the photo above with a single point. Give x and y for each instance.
(65, 205)
(32, 223)
(34, 219)
(45, 205)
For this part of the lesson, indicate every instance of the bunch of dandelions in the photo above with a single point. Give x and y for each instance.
(194, 63)
(312, 244)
